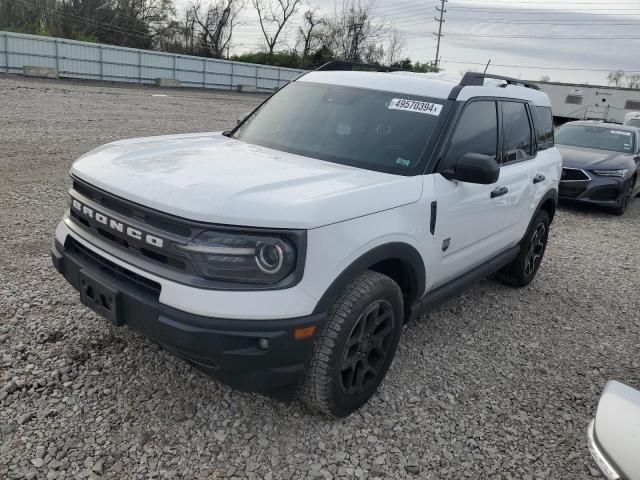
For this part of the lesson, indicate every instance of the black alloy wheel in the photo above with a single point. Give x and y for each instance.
(355, 346)
(536, 249)
(367, 347)
(524, 267)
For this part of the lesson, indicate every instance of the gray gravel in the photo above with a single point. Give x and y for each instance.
(498, 383)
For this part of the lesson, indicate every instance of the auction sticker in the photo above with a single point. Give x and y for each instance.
(417, 106)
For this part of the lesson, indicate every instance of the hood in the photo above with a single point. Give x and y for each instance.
(589, 158)
(211, 178)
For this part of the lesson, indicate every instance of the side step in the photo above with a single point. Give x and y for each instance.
(443, 293)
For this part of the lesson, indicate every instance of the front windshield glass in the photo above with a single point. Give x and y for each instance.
(599, 137)
(633, 123)
(370, 129)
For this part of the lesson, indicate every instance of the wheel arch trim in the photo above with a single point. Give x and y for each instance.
(403, 252)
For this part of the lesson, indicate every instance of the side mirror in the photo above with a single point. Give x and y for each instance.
(474, 168)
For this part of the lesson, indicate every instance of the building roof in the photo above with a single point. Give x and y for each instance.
(586, 85)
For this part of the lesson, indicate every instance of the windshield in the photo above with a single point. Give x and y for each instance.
(599, 137)
(633, 123)
(370, 129)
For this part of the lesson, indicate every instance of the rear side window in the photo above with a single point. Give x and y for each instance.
(518, 141)
(544, 128)
(476, 132)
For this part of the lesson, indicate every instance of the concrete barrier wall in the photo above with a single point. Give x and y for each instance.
(94, 61)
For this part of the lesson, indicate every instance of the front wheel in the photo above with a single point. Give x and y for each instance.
(625, 198)
(524, 267)
(355, 346)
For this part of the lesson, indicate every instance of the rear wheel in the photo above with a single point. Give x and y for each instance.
(355, 346)
(524, 267)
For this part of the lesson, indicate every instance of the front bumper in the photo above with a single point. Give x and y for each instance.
(601, 460)
(228, 349)
(602, 191)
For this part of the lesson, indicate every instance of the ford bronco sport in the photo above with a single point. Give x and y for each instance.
(286, 255)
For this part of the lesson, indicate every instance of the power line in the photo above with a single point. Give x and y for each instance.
(553, 2)
(536, 11)
(109, 27)
(546, 37)
(544, 22)
(577, 69)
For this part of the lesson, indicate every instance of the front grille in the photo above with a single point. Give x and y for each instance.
(140, 217)
(130, 210)
(121, 274)
(573, 175)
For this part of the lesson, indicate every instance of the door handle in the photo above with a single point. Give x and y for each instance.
(498, 192)
(539, 178)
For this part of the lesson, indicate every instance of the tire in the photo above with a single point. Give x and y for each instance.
(625, 198)
(524, 267)
(355, 346)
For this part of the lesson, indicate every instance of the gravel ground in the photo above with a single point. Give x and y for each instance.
(498, 383)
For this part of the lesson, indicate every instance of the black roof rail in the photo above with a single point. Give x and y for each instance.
(341, 65)
(477, 79)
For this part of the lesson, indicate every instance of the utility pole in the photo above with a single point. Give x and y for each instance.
(355, 29)
(439, 34)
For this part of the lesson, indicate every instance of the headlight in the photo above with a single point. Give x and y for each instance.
(242, 257)
(611, 173)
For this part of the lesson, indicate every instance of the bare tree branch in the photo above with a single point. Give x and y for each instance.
(274, 14)
(396, 45)
(216, 24)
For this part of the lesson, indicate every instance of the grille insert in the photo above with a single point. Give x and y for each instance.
(132, 211)
(77, 249)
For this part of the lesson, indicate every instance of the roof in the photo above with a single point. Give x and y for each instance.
(435, 85)
(596, 123)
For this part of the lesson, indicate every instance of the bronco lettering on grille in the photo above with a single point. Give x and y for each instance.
(115, 225)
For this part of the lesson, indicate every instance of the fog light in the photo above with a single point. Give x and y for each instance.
(263, 344)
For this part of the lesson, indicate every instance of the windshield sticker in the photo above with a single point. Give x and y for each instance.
(403, 162)
(417, 106)
(343, 129)
(620, 132)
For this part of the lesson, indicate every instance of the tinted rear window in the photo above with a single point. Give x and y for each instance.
(517, 132)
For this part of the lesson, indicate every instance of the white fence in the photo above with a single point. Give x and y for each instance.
(95, 61)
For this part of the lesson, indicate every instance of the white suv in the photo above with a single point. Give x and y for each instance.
(287, 254)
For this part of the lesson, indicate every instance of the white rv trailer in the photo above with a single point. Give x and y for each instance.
(589, 102)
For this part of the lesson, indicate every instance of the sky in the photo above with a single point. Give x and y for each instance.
(576, 41)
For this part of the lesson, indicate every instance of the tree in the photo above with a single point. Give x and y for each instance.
(154, 14)
(351, 31)
(273, 16)
(545, 78)
(215, 23)
(372, 53)
(616, 78)
(396, 45)
(308, 32)
(633, 81)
